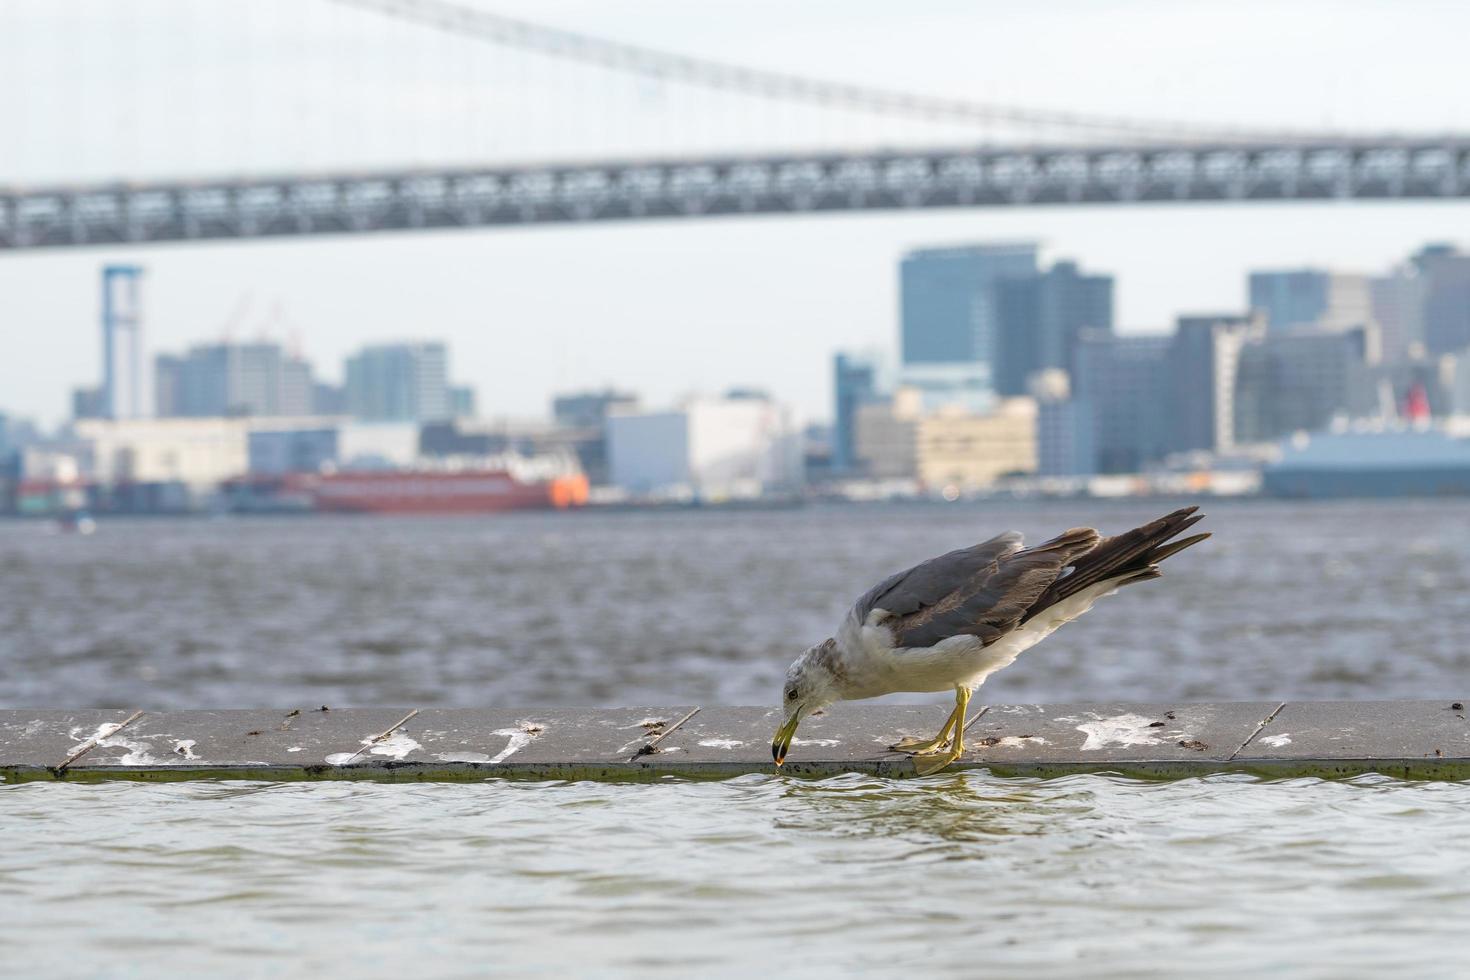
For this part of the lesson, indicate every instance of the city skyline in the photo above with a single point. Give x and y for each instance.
(535, 311)
(569, 368)
(1001, 368)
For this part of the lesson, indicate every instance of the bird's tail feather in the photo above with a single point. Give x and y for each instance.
(1132, 556)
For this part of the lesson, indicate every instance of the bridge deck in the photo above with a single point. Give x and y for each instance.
(1417, 739)
(1365, 168)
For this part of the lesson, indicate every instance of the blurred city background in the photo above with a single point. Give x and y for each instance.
(814, 274)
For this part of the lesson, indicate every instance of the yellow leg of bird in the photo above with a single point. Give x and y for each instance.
(928, 746)
(934, 763)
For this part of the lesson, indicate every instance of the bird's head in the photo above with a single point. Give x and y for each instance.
(811, 684)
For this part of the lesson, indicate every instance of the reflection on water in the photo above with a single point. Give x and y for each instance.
(946, 875)
(953, 810)
(1287, 601)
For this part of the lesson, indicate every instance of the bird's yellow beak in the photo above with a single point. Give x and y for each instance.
(782, 742)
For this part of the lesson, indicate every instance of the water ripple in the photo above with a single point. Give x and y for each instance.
(199, 614)
(848, 874)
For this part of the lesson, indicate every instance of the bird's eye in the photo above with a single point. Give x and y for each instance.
(791, 695)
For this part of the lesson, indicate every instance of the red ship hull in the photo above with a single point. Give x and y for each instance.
(435, 493)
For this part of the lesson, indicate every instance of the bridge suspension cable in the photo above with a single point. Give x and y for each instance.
(466, 21)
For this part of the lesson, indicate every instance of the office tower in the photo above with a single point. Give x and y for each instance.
(168, 375)
(1038, 320)
(297, 387)
(125, 387)
(1300, 380)
(1311, 298)
(1064, 429)
(407, 382)
(854, 384)
(1124, 382)
(1445, 276)
(1203, 361)
(257, 379)
(1398, 309)
(948, 301)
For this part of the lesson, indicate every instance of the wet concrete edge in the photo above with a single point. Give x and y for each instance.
(1408, 739)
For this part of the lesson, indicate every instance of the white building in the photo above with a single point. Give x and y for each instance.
(198, 453)
(708, 449)
(201, 453)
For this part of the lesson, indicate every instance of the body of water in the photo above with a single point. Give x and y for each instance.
(958, 874)
(1300, 601)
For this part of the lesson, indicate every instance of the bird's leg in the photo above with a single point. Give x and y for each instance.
(928, 746)
(935, 763)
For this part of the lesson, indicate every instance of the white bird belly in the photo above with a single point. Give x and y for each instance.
(1003, 652)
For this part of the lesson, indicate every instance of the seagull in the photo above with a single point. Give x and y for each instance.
(952, 621)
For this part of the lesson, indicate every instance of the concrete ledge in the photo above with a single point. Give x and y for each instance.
(1415, 739)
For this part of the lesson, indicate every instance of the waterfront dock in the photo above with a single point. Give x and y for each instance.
(1414, 739)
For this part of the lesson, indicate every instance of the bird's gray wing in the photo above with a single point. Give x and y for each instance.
(1128, 557)
(983, 599)
(929, 582)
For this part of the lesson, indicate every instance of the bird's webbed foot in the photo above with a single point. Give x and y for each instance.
(945, 747)
(929, 764)
(922, 746)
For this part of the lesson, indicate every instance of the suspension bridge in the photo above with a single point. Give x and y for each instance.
(1049, 158)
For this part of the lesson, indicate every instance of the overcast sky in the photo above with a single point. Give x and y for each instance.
(145, 88)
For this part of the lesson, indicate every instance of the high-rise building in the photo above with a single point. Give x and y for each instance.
(1311, 298)
(1124, 382)
(168, 374)
(1300, 380)
(854, 384)
(298, 387)
(406, 382)
(948, 301)
(257, 379)
(1038, 320)
(1398, 309)
(125, 391)
(1064, 429)
(1204, 358)
(1445, 275)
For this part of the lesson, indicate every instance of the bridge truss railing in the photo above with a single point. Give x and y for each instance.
(633, 190)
